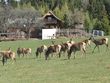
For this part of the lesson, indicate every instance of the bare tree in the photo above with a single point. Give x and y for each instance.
(19, 18)
(4, 15)
(25, 19)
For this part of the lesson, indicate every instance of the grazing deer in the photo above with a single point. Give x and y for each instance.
(76, 47)
(23, 51)
(98, 42)
(41, 49)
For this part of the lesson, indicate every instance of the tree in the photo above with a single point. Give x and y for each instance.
(92, 13)
(66, 23)
(79, 16)
(4, 15)
(105, 25)
(89, 22)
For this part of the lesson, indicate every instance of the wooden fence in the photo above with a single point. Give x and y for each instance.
(72, 32)
(12, 36)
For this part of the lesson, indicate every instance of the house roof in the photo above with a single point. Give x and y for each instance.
(51, 13)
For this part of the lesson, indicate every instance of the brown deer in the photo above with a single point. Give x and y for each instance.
(98, 42)
(52, 49)
(23, 51)
(41, 49)
(87, 42)
(76, 47)
(70, 41)
(66, 46)
(7, 55)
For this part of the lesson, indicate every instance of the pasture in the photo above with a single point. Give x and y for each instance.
(94, 68)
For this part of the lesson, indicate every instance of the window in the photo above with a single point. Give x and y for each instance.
(49, 18)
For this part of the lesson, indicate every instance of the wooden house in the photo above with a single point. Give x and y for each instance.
(51, 20)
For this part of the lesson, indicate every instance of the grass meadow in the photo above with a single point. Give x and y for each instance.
(94, 68)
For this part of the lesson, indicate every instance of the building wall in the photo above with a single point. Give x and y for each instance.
(49, 33)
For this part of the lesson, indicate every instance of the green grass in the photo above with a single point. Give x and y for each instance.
(95, 68)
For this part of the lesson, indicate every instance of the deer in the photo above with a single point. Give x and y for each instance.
(80, 46)
(52, 49)
(66, 46)
(99, 42)
(23, 51)
(8, 54)
(9, 50)
(87, 42)
(40, 49)
(70, 41)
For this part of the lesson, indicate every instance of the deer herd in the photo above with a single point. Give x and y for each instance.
(68, 47)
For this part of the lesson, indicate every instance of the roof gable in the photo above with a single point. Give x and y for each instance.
(50, 13)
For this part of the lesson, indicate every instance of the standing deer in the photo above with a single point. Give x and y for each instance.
(23, 51)
(65, 47)
(98, 42)
(40, 49)
(87, 42)
(7, 55)
(52, 49)
(76, 47)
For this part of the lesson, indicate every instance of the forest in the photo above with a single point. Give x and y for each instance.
(94, 14)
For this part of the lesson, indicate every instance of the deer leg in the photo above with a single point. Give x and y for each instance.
(64, 53)
(3, 60)
(59, 54)
(74, 54)
(106, 47)
(52, 55)
(37, 54)
(46, 56)
(40, 54)
(84, 51)
(19, 55)
(89, 45)
(23, 54)
(94, 49)
(15, 59)
(69, 54)
(98, 48)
